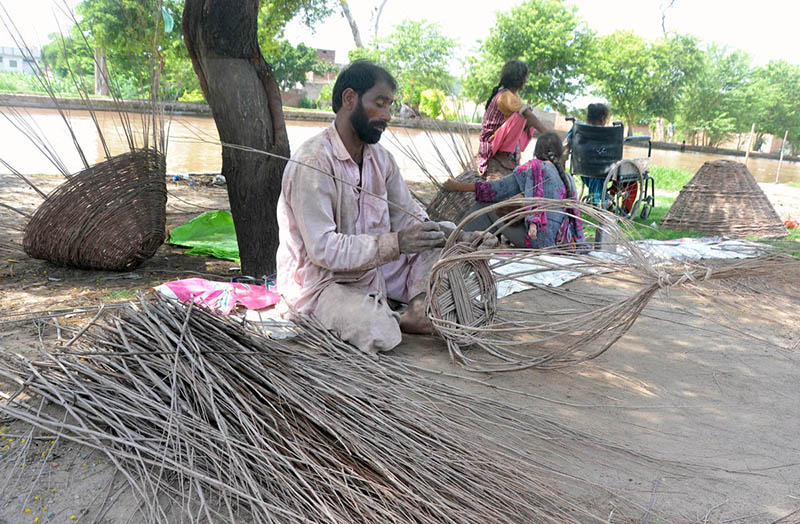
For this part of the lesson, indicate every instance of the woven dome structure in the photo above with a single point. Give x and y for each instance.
(110, 216)
(723, 198)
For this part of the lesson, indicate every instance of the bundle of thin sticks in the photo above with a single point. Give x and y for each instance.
(213, 422)
(463, 309)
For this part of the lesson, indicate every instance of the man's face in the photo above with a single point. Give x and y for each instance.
(371, 114)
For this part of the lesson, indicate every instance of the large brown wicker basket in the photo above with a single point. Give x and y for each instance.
(723, 198)
(452, 205)
(110, 216)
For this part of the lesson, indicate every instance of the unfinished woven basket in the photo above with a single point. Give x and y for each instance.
(453, 205)
(723, 198)
(110, 216)
(463, 292)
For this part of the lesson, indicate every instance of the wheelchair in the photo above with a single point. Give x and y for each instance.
(625, 186)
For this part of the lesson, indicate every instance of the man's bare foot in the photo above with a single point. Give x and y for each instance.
(414, 320)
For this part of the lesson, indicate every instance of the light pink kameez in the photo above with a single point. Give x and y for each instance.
(336, 241)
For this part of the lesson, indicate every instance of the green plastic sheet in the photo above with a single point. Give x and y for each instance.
(210, 234)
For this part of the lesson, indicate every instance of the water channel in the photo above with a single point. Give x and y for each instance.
(193, 146)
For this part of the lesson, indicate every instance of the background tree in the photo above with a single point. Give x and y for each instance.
(716, 103)
(775, 92)
(291, 63)
(417, 54)
(642, 80)
(550, 38)
(273, 15)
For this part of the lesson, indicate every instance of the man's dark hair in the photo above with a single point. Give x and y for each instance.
(597, 114)
(512, 76)
(360, 76)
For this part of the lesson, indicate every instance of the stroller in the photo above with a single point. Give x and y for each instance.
(622, 186)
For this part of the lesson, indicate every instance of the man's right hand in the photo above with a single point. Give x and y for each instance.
(419, 237)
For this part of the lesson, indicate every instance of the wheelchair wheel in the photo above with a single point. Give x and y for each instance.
(622, 195)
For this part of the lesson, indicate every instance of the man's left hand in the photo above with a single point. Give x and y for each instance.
(483, 239)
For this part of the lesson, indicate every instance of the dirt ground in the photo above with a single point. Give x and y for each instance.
(699, 403)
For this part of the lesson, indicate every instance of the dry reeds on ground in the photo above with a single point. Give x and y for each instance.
(211, 422)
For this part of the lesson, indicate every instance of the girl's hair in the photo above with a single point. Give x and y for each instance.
(512, 76)
(548, 147)
(597, 114)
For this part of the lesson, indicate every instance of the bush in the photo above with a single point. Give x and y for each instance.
(195, 95)
(325, 95)
(430, 102)
(306, 103)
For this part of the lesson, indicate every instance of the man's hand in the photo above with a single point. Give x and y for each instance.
(484, 239)
(419, 237)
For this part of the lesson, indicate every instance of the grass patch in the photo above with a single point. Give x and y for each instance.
(792, 184)
(120, 294)
(670, 178)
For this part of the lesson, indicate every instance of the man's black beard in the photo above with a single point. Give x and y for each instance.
(368, 131)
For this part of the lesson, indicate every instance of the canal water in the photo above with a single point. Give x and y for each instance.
(193, 146)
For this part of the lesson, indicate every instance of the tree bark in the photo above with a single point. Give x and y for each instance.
(245, 101)
(352, 22)
(100, 72)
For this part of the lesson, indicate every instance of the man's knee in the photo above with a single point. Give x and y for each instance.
(363, 320)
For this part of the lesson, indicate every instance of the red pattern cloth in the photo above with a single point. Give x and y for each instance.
(493, 118)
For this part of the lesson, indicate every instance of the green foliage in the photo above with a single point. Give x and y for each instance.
(775, 94)
(195, 95)
(715, 102)
(15, 82)
(641, 79)
(325, 96)
(430, 103)
(306, 103)
(417, 54)
(273, 15)
(670, 178)
(550, 38)
(291, 63)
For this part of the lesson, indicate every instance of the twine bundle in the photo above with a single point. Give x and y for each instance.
(110, 216)
(463, 283)
(234, 427)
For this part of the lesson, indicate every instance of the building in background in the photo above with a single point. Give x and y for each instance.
(12, 59)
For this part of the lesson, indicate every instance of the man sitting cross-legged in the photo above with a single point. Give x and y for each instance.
(351, 235)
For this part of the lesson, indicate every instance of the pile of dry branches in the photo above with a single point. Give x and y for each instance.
(212, 421)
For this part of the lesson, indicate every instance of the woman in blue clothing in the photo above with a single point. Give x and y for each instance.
(542, 177)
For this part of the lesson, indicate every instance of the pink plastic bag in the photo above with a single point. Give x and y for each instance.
(221, 297)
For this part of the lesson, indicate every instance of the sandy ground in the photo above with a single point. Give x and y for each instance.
(696, 408)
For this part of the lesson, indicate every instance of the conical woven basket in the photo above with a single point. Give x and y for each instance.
(723, 198)
(110, 216)
(453, 205)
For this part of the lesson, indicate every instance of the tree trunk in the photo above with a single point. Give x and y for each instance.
(629, 120)
(100, 72)
(377, 18)
(352, 22)
(245, 101)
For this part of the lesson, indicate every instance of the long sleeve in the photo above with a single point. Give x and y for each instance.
(313, 197)
(493, 191)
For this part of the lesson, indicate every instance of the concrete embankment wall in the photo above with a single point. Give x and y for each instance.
(199, 109)
(196, 109)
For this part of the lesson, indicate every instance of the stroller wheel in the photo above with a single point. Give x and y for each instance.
(645, 213)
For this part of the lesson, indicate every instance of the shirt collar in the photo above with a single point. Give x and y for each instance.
(339, 150)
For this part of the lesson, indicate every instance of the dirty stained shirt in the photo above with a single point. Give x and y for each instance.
(332, 232)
